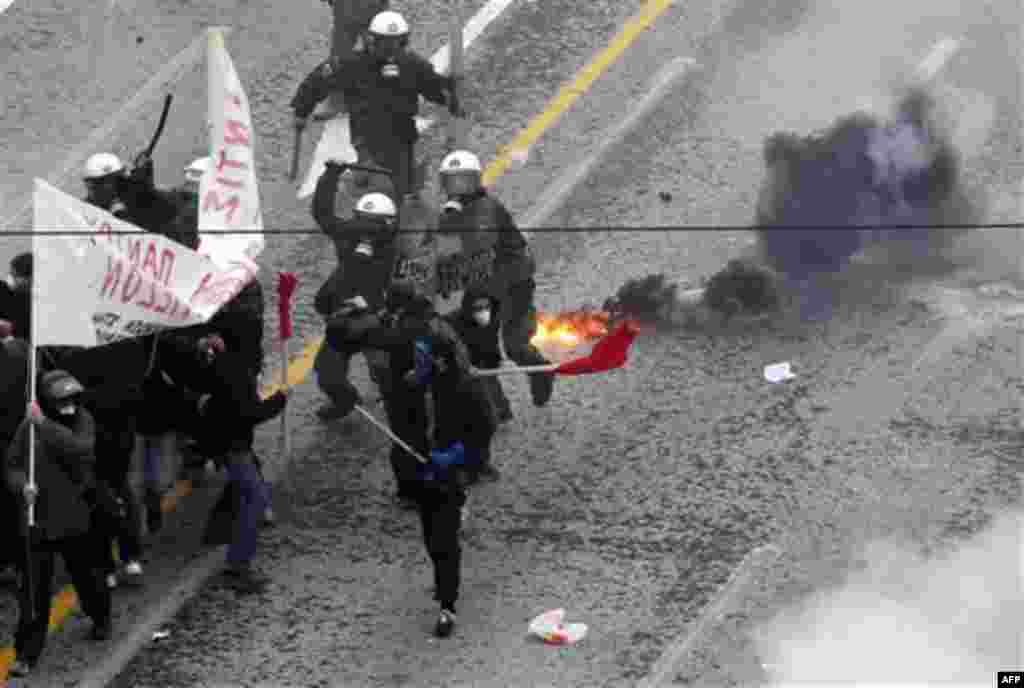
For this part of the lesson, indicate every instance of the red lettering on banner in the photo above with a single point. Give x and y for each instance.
(233, 164)
(236, 99)
(167, 258)
(127, 294)
(236, 133)
(232, 204)
(149, 262)
(113, 279)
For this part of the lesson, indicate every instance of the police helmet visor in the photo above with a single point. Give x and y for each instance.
(387, 47)
(460, 183)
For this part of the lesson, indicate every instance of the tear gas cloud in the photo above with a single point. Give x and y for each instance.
(903, 619)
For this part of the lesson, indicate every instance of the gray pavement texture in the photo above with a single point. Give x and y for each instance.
(630, 500)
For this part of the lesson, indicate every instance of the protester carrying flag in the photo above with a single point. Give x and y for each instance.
(427, 357)
(64, 496)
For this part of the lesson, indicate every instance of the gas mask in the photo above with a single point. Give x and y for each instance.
(364, 248)
(67, 409)
(482, 317)
(389, 70)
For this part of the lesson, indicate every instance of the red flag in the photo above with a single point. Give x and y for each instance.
(609, 353)
(286, 284)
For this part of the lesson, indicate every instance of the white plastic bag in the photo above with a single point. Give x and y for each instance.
(778, 372)
(550, 628)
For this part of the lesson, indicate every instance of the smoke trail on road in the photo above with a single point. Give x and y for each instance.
(904, 619)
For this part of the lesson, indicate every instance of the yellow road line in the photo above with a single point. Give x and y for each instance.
(65, 603)
(571, 91)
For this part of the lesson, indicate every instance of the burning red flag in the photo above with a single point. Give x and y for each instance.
(609, 353)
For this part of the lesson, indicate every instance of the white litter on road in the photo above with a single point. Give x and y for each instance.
(778, 372)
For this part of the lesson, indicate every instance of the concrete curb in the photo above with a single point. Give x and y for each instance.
(126, 649)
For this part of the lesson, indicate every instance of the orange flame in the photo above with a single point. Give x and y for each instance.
(570, 328)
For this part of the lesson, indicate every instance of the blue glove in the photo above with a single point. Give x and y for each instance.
(424, 361)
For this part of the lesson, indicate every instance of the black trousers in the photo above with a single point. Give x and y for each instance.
(391, 153)
(408, 417)
(125, 530)
(440, 506)
(93, 594)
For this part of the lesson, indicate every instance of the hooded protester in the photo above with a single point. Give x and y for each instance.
(230, 410)
(365, 247)
(426, 352)
(16, 297)
(476, 326)
(497, 258)
(65, 496)
(382, 87)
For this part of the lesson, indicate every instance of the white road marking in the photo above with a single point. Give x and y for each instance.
(171, 72)
(473, 29)
(562, 188)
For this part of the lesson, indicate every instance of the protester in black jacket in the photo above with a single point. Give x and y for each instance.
(13, 379)
(64, 499)
(115, 409)
(478, 330)
(16, 297)
(230, 411)
(426, 352)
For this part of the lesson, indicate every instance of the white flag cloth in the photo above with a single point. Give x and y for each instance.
(229, 196)
(104, 280)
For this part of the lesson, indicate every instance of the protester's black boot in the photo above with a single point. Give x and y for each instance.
(445, 622)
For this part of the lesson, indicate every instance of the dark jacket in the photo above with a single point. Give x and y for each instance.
(14, 372)
(16, 306)
(356, 274)
(64, 473)
(379, 106)
(488, 229)
(234, 408)
(115, 409)
(482, 342)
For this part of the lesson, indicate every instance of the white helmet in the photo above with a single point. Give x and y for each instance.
(460, 161)
(389, 24)
(376, 205)
(197, 168)
(102, 165)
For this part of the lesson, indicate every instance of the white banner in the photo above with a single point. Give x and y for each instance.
(228, 193)
(106, 280)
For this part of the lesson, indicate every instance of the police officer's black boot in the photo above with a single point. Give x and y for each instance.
(445, 622)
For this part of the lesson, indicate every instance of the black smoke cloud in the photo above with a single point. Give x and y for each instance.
(861, 183)
(827, 196)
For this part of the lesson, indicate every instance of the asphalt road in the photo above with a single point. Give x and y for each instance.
(631, 499)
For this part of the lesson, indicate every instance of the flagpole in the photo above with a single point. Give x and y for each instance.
(387, 431)
(509, 370)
